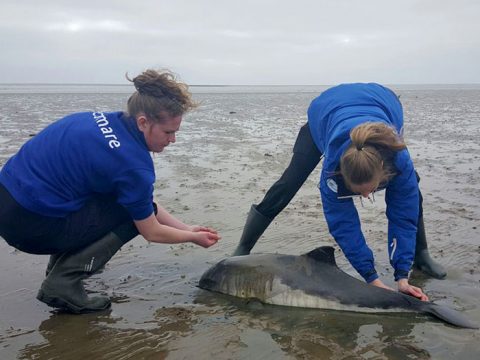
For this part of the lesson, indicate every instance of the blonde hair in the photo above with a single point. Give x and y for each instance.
(158, 92)
(370, 156)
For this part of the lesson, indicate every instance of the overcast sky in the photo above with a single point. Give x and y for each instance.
(241, 42)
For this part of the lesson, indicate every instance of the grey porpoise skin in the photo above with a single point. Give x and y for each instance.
(313, 280)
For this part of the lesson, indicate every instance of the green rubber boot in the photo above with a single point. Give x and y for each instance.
(63, 287)
(254, 227)
(423, 260)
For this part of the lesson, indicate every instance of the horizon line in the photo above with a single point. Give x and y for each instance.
(221, 85)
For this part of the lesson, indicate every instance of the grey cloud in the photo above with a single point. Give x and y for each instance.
(270, 42)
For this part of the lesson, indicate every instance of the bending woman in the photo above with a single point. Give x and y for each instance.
(356, 128)
(83, 187)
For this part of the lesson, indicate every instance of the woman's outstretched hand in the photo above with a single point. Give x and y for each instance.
(197, 228)
(204, 236)
(406, 288)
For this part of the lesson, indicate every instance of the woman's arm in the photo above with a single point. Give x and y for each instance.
(152, 230)
(344, 225)
(165, 218)
(402, 201)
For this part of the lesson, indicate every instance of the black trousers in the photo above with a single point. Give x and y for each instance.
(305, 158)
(37, 234)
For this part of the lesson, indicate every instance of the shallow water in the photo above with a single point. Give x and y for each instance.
(227, 154)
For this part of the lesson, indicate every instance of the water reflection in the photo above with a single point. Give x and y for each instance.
(108, 337)
(319, 334)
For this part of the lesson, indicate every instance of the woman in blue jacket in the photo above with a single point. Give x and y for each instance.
(83, 187)
(356, 128)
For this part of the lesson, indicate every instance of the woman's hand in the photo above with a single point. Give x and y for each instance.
(380, 284)
(406, 288)
(197, 228)
(205, 237)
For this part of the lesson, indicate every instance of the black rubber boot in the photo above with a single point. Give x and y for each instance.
(63, 287)
(254, 227)
(51, 263)
(423, 260)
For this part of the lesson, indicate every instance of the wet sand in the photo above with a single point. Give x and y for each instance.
(227, 155)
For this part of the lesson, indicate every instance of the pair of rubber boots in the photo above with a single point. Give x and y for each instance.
(63, 286)
(257, 223)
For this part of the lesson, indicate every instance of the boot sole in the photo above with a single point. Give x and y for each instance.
(56, 302)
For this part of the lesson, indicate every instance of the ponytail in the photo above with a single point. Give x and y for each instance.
(157, 92)
(370, 156)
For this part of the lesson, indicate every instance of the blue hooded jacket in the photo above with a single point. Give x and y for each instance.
(331, 117)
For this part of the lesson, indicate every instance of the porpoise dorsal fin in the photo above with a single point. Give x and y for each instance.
(324, 254)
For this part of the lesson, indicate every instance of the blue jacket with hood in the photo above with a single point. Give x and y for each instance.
(331, 117)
